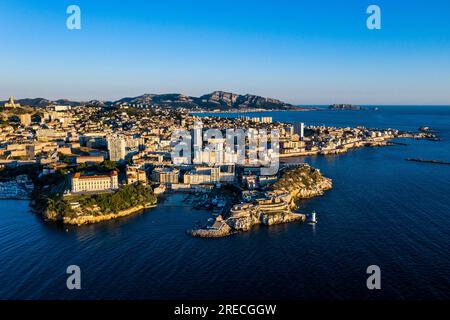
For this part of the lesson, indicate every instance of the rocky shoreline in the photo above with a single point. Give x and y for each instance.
(91, 218)
(276, 208)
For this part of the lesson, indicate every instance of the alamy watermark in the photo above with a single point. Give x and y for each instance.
(243, 147)
(73, 21)
(373, 22)
(73, 282)
(374, 280)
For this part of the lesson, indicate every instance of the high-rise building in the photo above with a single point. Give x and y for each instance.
(116, 148)
(300, 130)
(197, 142)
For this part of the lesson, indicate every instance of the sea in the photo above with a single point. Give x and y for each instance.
(382, 210)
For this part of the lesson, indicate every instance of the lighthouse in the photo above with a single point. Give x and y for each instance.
(312, 218)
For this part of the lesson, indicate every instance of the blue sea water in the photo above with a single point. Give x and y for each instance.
(382, 211)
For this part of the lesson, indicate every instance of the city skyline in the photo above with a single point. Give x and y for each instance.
(300, 53)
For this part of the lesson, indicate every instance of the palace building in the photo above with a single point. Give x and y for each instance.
(94, 183)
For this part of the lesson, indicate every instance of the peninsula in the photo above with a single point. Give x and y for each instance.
(274, 206)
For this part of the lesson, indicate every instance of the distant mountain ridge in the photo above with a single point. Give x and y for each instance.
(42, 102)
(215, 100)
(212, 101)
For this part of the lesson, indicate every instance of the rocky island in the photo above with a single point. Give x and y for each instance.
(346, 107)
(274, 206)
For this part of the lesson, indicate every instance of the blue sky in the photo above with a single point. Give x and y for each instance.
(305, 52)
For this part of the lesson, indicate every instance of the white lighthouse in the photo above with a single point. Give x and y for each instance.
(312, 218)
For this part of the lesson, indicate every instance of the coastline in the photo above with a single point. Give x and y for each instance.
(276, 207)
(300, 109)
(356, 145)
(91, 219)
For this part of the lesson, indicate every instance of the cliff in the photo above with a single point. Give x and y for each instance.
(245, 223)
(302, 182)
(228, 100)
(94, 217)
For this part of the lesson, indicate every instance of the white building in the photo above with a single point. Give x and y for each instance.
(59, 108)
(94, 183)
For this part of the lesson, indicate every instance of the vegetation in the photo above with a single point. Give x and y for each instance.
(31, 170)
(48, 192)
(127, 197)
(4, 123)
(104, 167)
(303, 176)
(20, 110)
(64, 158)
(60, 206)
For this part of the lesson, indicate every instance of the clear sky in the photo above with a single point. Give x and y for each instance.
(305, 52)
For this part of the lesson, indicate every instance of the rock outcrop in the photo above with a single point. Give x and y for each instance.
(302, 182)
(79, 220)
(228, 100)
(276, 208)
